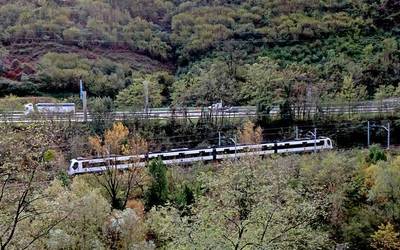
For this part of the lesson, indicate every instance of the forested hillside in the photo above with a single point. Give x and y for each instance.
(198, 52)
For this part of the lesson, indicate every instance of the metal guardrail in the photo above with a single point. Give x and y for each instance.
(384, 106)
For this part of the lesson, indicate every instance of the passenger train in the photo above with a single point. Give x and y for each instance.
(187, 156)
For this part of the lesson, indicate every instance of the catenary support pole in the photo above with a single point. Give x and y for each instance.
(315, 140)
(368, 134)
(235, 147)
(146, 96)
(388, 135)
(84, 102)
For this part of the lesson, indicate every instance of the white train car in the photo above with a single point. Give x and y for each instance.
(49, 108)
(188, 156)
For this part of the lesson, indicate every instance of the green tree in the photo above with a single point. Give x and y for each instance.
(83, 228)
(376, 153)
(246, 205)
(351, 93)
(206, 83)
(157, 194)
(386, 188)
(133, 96)
(101, 110)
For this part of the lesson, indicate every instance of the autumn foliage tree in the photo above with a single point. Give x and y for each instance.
(119, 186)
(250, 134)
(386, 238)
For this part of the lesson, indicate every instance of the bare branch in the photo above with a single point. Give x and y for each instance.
(3, 186)
(46, 231)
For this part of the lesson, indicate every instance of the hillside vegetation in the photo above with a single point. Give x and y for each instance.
(240, 52)
(310, 201)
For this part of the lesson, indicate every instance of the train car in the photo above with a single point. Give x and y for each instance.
(49, 108)
(189, 156)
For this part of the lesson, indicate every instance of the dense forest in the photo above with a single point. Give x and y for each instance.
(198, 52)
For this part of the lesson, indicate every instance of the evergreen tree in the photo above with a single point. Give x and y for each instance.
(157, 193)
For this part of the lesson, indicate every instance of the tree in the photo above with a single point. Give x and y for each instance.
(245, 205)
(118, 186)
(376, 153)
(250, 134)
(385, 91)
(101, 110)
(205, 84)
(87, 211)
(143, 35)
(157, 193)
(263, 83)
(21, 191)
(385, 189)
(385, 238)
(133, 96)
(15, 208)
(350, 93)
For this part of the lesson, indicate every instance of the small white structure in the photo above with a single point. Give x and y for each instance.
(216, 106)
(52, 108)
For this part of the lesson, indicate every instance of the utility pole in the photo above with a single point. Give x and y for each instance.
(315, 140)
(296, 130)
(314, 134)
(235, 147)
(146, 96)
(234, 140)
(388, 134)
(219, 139)
(388, 139)
(368, 134)
(81, 89)
(84, 103)
(387, 128)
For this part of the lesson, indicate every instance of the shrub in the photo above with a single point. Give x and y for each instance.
(376, 154)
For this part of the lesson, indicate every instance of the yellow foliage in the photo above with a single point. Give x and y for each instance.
(370, 175)
(96, 144)
(115, 136)
(136, 146)
(117, 141)
(249, 134)
(385, 238)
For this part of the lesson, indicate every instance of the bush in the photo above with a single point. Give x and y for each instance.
(49, 155)
(376, 154)
(24, 88)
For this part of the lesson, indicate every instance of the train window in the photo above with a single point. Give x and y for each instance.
(100, 164)
(127, 162)
(182, 155)
(265, 147)
(75, 166)
(169, 157)
(85, 164)
(226, 151)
